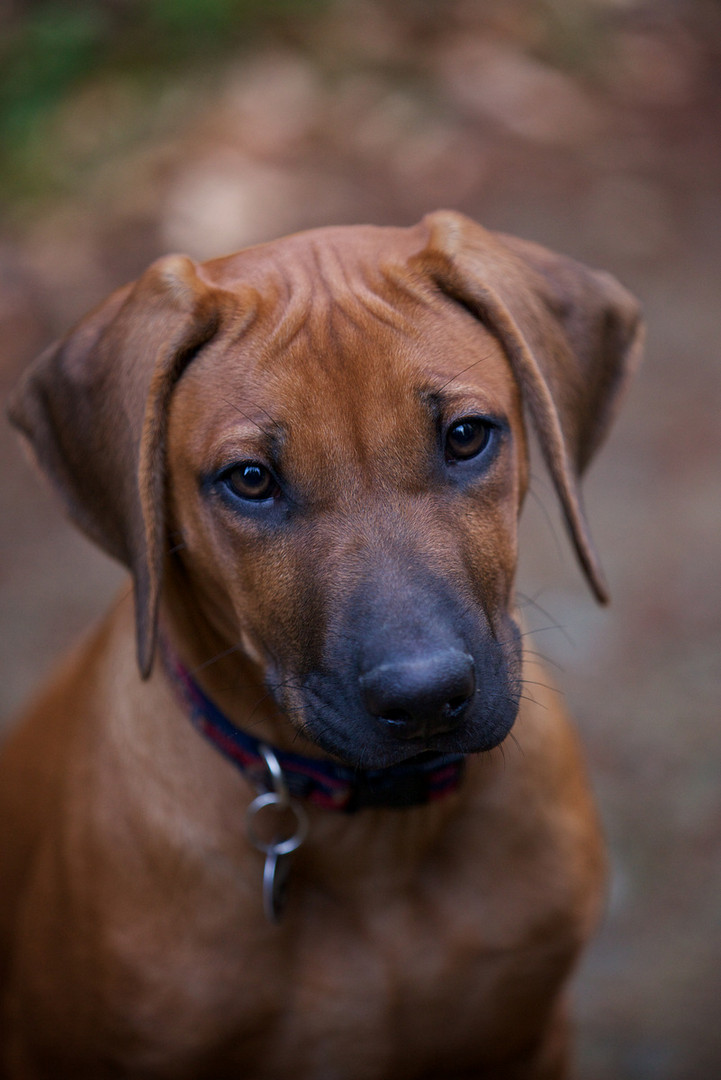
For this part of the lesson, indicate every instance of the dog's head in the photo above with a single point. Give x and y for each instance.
(330, 429)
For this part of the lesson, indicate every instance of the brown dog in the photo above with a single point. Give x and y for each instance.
(311, 455)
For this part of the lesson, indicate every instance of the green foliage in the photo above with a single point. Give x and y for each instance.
(42, 58)
(54, 48)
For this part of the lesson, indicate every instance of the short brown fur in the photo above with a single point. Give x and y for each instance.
(427, 942)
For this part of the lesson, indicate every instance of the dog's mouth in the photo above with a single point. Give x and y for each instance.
(455, 690)
(361, 741)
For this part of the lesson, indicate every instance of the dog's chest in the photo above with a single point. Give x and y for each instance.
(389, 996)
(399, 989)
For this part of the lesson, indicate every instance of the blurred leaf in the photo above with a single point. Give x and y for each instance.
(43, 58)
(53, 48)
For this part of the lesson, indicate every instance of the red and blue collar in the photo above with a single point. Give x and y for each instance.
(324, 783)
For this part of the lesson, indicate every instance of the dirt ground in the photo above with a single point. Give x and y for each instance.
(593, 128)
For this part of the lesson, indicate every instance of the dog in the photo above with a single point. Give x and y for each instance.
(261, 823)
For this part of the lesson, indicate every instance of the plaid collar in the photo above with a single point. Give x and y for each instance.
(324, 783)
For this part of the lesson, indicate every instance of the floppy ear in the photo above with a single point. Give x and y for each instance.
(572, 337)
(93, 408)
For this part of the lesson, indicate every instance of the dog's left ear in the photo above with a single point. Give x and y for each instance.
(572, 336)
(93, 410)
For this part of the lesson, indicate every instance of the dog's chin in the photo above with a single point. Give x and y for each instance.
(383, 753)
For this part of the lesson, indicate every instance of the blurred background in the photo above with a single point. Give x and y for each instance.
(135, 127)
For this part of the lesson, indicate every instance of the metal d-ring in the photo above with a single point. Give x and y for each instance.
(280, 847)
(281, 799)
(276, 773)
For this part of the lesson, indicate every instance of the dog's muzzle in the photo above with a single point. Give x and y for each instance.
(419, 697)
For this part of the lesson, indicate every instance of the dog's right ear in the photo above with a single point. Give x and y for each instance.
(93, 409)
(572, 337)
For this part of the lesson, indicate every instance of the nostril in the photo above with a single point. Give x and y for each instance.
(395, 716)
(422, 694)
(456, 704)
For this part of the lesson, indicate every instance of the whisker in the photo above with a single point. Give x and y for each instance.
(215, 659)
(546, 614)
(542, 480)
(550, 522)
(265, 412)
(482, 360)
(248, 418)
(542, 656)
(542, 629)
(512, 736)
(545, 686)
(527, 697)
(121, 597)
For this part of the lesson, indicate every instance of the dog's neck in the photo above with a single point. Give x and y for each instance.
(327, 784)
(227, 673)
(337, 855)
(202, 801)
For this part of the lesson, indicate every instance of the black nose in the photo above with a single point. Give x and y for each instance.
(421, 695)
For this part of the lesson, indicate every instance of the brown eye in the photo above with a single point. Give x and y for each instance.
(467, 438)
(250, 480)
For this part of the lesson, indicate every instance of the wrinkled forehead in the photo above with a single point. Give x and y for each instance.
(345, 299)
(330, 349)
(376, 358)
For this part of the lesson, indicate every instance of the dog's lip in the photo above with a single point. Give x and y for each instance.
(419, 758)
(424, 756)
(388, 758)
(393, 752)
(355, 744)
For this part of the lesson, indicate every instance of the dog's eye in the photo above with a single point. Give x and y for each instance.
(250, 480)
(466, 438)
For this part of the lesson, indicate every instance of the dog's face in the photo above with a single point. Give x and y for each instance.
(347, 501)
(327, 432)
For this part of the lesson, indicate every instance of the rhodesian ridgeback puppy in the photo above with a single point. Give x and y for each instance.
(259, 826)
